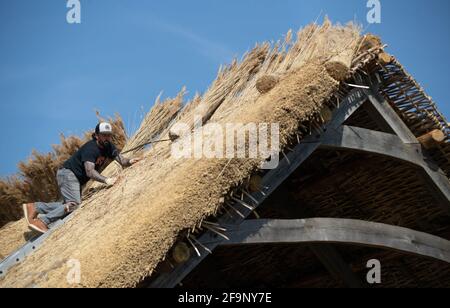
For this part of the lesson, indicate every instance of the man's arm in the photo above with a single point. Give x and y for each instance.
(125, 162)
(92, 173)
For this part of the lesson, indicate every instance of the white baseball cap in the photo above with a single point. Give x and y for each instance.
(104, 128)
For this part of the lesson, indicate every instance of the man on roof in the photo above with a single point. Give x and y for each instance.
(83, 166)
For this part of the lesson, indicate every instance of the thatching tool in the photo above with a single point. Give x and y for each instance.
(172, 138)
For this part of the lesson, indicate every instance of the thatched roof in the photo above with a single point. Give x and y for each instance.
(120, 235)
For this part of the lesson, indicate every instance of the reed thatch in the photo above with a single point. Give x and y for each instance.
(121, 234)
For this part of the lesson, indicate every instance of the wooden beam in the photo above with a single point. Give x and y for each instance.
(432, 139)
(360, 139)
(370, 141)
(394, 121)
(336, 230)
(271, 181)
(347, 107)
(181, 253)
(384, 58)
(387, 112)
(335, 264)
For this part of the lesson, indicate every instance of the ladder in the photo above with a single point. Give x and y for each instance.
(29, 248)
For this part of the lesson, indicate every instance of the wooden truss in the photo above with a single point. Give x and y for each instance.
(396, 142)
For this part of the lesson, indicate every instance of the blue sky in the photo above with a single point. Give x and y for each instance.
(53, 75)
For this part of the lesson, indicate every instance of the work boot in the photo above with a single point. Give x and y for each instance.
(30, 212)
(38, 225)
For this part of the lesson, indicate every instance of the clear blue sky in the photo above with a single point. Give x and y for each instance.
(53, 75)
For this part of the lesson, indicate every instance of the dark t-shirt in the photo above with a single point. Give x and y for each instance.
(90, 152)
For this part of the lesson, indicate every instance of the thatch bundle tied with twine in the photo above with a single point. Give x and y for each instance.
(120, 235)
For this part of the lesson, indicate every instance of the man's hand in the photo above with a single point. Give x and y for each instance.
(125, 162)
(110, 181)
(135, 160)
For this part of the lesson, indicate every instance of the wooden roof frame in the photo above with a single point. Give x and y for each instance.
(338, 230)
(402, 145)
